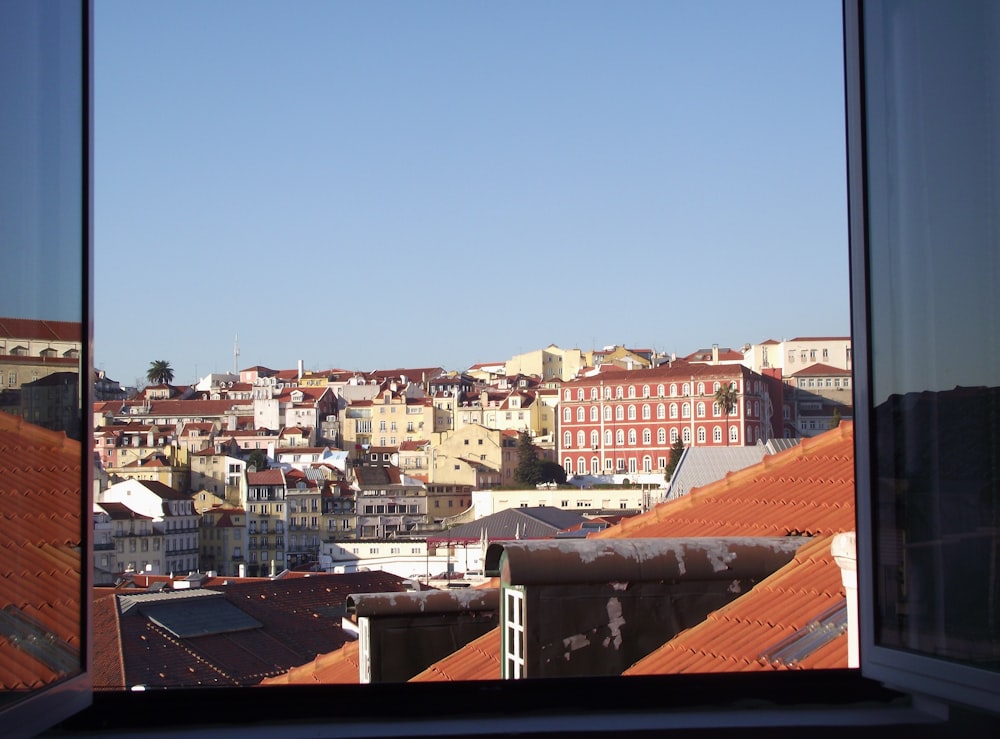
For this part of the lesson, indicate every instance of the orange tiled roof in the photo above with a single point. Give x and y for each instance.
(822, 370)
(339, 667)
(477, 660)
(39, 531)
(32, 328)
(296, 625)
(737, 637)
(806, 490)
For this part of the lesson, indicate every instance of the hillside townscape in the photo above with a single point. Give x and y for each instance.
(287, 485)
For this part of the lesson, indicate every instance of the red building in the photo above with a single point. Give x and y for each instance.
(624, 421)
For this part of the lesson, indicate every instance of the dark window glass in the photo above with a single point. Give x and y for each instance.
(44, 220)
(932, 128)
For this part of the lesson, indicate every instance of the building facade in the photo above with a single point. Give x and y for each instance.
(624, 423)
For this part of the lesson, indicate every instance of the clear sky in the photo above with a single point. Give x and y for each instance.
(383, 184)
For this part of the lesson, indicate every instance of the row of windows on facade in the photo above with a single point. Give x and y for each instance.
(809, 355)
(630, 465)
(619, 436)
(620, 391)
(622, 413)
(142, 544)
(392, 550)
(844, 382)
(176, 565)
(410, 427)
(47, 353)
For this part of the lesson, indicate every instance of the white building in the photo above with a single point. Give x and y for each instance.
(172, 513)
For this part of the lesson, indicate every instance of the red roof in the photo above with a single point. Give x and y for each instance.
(32, 328)
(821, 369)
(271, 476)
(339, 667)
(808, 489)
(477, 660)
(40, 532)
(742, 635)
(296, 619)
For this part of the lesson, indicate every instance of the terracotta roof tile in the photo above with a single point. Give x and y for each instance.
(299, 617)
(808, 489)
(40, 532)
(740, 635)
(338, 667)
(477, 660)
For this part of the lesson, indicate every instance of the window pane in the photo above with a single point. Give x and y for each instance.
(42, 344)
(933, 167)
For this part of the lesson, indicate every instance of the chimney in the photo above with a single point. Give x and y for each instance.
(300, 369)
(715, 353)
(844, 551)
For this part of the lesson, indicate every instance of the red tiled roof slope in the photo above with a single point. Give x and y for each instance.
(477, 660)
(33, 328)
(297, 625)
(40, 533)
(806, 490)
(737, 637)
(339, 667)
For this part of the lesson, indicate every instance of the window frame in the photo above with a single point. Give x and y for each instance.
(833, 699)
(919, 673)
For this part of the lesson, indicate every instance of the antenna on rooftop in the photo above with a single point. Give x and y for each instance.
(236, 355)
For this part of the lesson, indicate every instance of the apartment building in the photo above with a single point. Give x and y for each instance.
(618, 422)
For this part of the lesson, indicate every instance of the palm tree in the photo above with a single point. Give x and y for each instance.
(159, 372)
(726, 398)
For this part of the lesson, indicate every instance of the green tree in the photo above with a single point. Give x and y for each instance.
(529, 467)
(160, 372)
(676, 450)
(257, 460)
(835, 421)
(726, 398)
(549, 471)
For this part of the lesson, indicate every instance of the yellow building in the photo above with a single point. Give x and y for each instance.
(547, 363)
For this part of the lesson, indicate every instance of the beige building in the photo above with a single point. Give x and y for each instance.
(219, 472)
(125, 541)
(620, 357)
(793, 355)
(168, 466)
(547, 363)
(224, 541)
(388, 419)
(267, 517)
(474, 456)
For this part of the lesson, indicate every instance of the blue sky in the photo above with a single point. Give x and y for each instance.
(385, 184)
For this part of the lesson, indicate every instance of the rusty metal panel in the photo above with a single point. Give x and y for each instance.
(405, 645)
(424, 602)
(637, 560)
(576, 630)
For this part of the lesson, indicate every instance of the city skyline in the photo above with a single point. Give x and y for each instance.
(332, 185)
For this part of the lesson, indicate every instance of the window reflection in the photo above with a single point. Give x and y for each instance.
(934, 191)
(42, 242)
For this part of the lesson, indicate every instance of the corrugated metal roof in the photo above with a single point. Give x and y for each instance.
(702, 465)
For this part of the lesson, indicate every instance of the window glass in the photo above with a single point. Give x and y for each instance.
(933, 172)
(43, 243)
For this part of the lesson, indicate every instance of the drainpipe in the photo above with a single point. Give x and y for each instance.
(844, 551)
